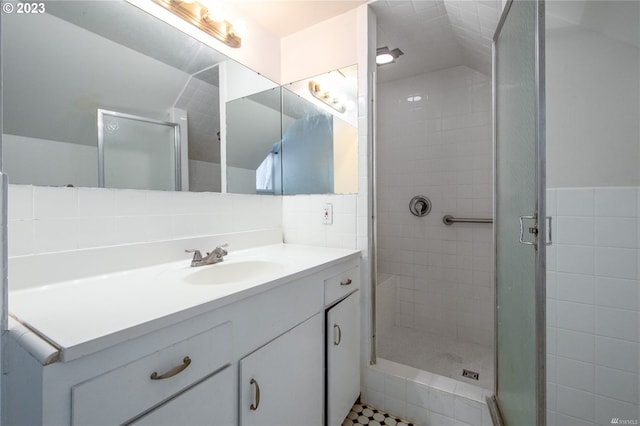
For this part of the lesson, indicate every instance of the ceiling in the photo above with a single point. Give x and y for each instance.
(285, 17)
(436, 34)
(433, 34)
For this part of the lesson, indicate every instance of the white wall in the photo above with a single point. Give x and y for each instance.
(592, 107)
(593, 169)
(439, 147)
(324, 47)
(593, 306)
(302, 220)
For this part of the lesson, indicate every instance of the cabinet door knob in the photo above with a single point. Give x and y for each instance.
(337, 341)
(175, 370)
(346, 282)
(257, 404)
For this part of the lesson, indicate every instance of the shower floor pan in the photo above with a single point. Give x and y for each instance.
(437, 354)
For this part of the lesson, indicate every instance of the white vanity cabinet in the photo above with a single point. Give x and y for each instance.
(281, 383)
(210, 363)
(342, 344)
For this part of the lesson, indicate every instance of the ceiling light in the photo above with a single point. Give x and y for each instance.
(208, 19)
(386, 56)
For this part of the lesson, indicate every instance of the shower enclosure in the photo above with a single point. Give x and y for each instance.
(435, 282)
(557, 341)
(435, 292)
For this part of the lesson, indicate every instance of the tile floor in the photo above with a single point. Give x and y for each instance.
(362, 414)
(441, 355)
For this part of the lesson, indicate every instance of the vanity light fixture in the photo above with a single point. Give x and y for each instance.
(325, 97)
(385, 56)
(206, 19)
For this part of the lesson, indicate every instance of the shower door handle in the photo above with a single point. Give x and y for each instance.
(549, 240)
(532, 230)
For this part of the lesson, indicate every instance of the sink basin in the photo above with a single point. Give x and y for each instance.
(234, 272)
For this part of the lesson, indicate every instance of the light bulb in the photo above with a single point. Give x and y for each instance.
(240, 28)
(384, 58)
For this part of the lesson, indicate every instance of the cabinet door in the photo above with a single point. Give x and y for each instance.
(281, 383)
(209, 403)
(343, 358)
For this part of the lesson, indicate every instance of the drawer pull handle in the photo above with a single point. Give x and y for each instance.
(346, 282)
(336, 327)
(257, 404)
(175, 370)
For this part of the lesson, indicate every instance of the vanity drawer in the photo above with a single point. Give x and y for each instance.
(339, 286)
(122, 394)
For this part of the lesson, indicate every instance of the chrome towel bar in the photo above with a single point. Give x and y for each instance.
(450, 220)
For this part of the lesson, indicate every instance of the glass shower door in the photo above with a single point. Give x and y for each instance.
(519, 167)
(137, 152)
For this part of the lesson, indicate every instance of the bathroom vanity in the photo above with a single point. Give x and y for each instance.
(260, 338)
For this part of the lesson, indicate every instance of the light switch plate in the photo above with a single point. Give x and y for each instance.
(327, 214)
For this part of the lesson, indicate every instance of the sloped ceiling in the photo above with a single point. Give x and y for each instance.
(436, 34)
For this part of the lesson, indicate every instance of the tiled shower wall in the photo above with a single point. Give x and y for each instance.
(434, 139)
(593, 305)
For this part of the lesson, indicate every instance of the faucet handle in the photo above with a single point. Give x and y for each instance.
(197, 256)
(221, 249)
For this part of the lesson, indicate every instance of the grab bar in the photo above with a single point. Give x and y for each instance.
(450, 220)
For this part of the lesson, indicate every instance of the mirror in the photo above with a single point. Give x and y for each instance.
(299, 139)
(62, 67)
(102, 94)
(254, 131)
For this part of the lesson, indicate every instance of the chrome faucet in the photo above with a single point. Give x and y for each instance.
(216, 256)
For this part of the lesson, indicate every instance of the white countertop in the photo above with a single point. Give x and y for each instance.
(84, 316)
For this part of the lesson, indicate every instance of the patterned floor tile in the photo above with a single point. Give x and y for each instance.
(362, 414)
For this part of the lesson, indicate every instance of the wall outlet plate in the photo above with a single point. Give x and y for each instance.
(327, 214)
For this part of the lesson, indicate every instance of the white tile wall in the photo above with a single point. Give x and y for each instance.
(593, 306)
(52, 219)
(422, 397)
(302, 220)
(439, 147)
